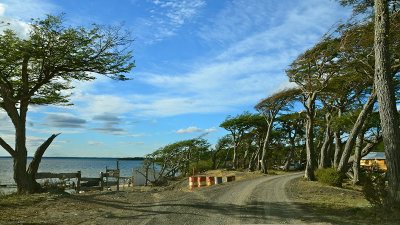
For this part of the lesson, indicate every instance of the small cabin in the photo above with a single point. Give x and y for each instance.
(374, 161)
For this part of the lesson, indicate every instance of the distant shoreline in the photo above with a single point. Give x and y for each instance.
(74, 157)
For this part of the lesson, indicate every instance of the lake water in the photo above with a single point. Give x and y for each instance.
(89, 167)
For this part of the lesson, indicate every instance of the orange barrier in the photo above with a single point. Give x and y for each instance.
(210, 181)
(202, 181)
(193, 182)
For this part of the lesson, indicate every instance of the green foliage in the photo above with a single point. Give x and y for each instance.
(202, 165)
(374, 188)
(329, 176)
(178, 158)
(41, 67)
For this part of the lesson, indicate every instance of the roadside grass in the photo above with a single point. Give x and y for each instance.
(15, 200)
(342, 205)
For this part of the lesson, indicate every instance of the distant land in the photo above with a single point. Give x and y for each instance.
(68, 157)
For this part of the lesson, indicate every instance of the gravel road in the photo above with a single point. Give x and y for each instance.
(263, 200)
(257, 201)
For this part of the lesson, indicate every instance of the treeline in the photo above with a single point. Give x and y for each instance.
(329, 120)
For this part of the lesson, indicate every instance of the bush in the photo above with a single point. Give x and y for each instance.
(54, 187)
(329, 176)
(374, 188)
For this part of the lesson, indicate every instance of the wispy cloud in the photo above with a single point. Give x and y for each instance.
(136, 135)
(110, 128)
(167, 17)
(132, 143)
(95, 143)
(27, 9)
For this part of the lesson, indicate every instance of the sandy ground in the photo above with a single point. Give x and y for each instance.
(252, 198)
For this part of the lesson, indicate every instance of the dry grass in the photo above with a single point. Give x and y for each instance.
(341, 205)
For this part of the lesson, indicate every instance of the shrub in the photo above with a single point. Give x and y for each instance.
(374, 188)
(329, 176)
(54, 187)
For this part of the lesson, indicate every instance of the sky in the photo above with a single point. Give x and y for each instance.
(197, 61)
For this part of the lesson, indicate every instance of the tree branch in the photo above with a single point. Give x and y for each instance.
(7, 147)
(34, 165)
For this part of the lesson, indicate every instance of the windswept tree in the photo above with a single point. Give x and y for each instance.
(178, 157)
(38, 70)
(237, 126)
(269, 109)
(312, 71)
(224, 144)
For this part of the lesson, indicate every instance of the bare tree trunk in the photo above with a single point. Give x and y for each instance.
(253, 160)
(310, 165)
(365, 112)
(291, 151)
(357, 157)
(387, 102)
(246, 153)
(264, 151)
(324, 160)
(309, 173)
(338, 148)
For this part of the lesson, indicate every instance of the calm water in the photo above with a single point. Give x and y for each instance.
(90, 167)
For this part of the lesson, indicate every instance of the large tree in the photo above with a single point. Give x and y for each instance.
(38, 70)
(386, 66)
(386, 99)
(312, 71)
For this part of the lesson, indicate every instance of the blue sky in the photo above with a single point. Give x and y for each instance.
(197, 61)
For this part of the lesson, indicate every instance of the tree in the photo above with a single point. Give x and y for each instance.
(386, 99)
(37, 71)
(385, 68)
(237, 125)
(178, 157)
(269, 109)
(223, 145)
(311, 71)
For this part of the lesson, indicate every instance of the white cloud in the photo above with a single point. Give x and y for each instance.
(95, 143)
(193, 129)
(2, 9)
(189, 130)
(17, 13)
(212, 129)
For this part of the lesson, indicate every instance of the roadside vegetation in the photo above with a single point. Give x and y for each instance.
(346, 205)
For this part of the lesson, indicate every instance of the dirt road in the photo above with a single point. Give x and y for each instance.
(261, 200)
(253, 201)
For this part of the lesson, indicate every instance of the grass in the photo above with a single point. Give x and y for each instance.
(342, 205)
(15, 200)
